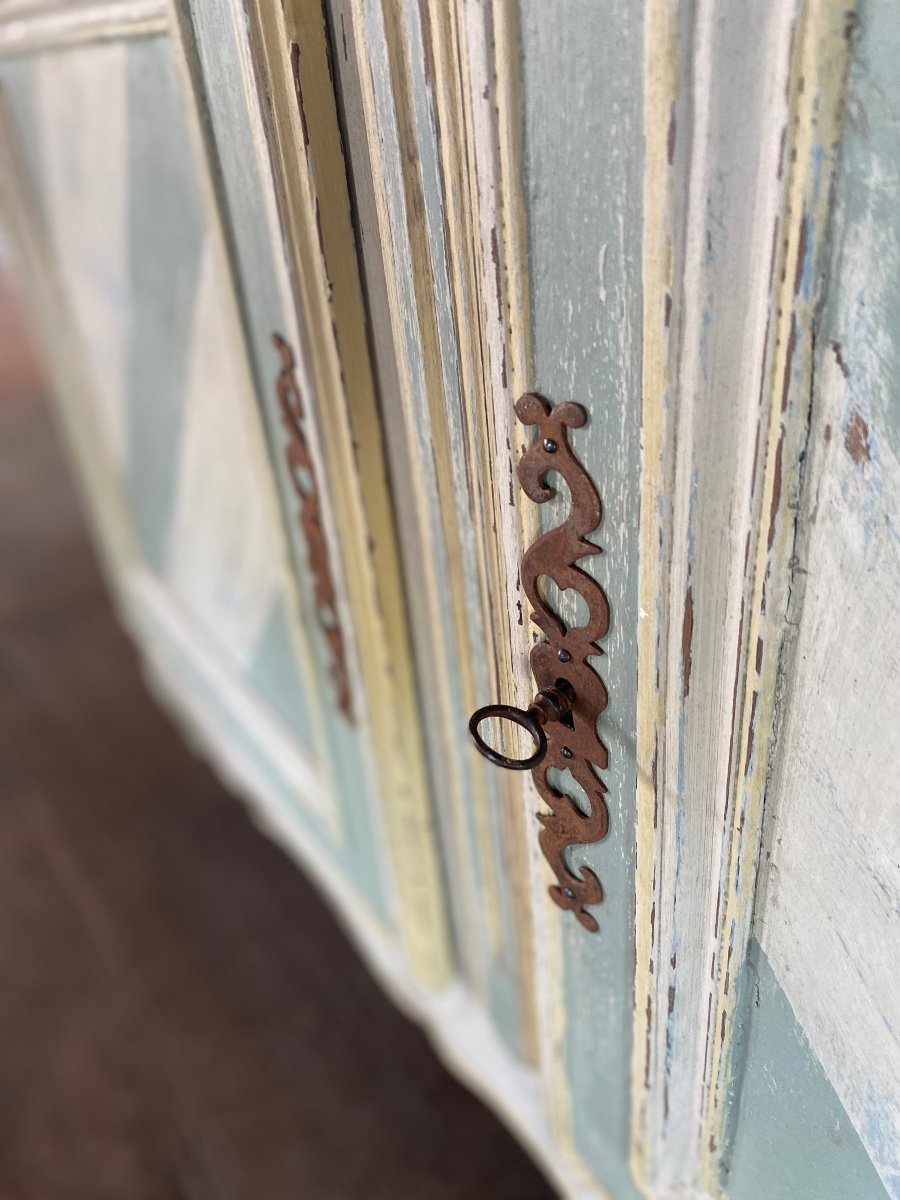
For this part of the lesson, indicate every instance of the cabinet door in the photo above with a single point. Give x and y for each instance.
(630, 208)
(252, 556)
(296, 262)
(497, 166)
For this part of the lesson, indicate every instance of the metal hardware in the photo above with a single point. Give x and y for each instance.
(568, 741)
(303, 477)
(552, 705)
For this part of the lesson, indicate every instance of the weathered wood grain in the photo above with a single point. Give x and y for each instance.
(828, 922)
(712, 207)
(29, 25)
(310, 172)
(405, 76)
(820, 58)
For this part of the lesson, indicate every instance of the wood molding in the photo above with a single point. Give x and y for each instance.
(98, 476)
(310, 172)
(704, 375)
(819, 70)
(28, 28)
(186, 64)
(435, 189)
(729, 197)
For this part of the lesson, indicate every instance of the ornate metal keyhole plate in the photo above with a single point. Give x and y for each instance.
(562, 719)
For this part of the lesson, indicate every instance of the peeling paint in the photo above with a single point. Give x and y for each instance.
(839, 359)
(776, 491)
(856, 438)
(687, 635)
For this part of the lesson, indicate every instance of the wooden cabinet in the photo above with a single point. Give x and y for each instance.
(293, 265)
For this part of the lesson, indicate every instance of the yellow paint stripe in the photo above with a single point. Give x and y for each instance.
(660, 88)
(320, 235)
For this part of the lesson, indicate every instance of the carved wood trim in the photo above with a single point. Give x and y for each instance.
(303, 477)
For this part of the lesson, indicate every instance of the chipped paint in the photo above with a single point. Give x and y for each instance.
(660, 98)
(856, 438)
(817, 83)
(687, 635)
(826, 913)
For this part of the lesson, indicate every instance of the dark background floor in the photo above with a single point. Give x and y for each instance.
(180, 1016)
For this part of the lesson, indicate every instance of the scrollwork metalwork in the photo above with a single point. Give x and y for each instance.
(573, 742)
(303, 478)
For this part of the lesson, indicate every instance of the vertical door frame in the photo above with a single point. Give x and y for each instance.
(739, 167)
(290, 55)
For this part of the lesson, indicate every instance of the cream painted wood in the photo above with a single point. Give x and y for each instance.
(462, 102)
(307, 172)
(32, 25)
(727, 404)
(705, 516)
(820, 62)
(397, 151)
(232, 585)
(829, 921)
(81, 334)
(827, 914)
(94, 264)
(435, 278)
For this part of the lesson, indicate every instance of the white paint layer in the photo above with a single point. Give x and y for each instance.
(830, 923)
(221, 560)
(81, 102)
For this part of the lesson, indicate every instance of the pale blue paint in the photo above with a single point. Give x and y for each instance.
(858, 324)
(866, 323)
(166, 234)
(251, 247)
(583, 165)
(502, 960)
(273, 672)
(793, 1140)
(167, 227)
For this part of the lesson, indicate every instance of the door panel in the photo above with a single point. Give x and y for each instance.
(141, 271)
(530, 218)
(172, 405)
(437, 351)
(826, 915)
(303, 171)
(295, 264)
(503, 273)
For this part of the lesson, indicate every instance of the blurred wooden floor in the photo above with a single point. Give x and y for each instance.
(180, 1016)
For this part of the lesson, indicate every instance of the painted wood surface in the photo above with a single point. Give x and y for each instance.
(30, 25)
(118, 264)
(143, 278)
(305, 152)
(399, 71)
(793, 1136)
(745, 196)
(467, 177)
(216, 53)
(713, 201)
(582, 158)
(828, 920)
(442, 206)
